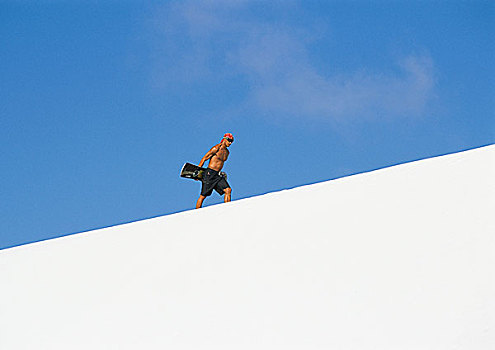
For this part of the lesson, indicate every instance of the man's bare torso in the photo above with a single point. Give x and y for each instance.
(220, 157)
(217, 155)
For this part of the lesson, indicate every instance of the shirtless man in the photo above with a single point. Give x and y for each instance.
(212, 180)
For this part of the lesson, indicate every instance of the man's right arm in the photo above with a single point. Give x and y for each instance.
(208, 155)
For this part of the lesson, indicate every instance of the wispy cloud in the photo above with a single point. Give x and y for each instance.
(305, 92)
(219, 40)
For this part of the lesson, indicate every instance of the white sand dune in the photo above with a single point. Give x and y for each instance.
(398, 258)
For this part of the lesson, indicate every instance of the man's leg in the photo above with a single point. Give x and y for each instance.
(199, 203)
(227, 192)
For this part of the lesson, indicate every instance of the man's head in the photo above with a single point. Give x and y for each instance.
(228, 138)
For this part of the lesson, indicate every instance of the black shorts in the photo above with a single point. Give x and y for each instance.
(213, 181)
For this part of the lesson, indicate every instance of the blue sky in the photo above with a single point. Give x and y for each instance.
(103, 101)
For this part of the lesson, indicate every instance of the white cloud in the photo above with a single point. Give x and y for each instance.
(215, 40)
(304, 92)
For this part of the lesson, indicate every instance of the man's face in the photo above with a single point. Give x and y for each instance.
(228, 141)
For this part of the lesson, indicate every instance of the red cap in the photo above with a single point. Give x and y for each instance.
(228, 136)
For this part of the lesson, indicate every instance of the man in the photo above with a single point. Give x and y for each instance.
(212, 178)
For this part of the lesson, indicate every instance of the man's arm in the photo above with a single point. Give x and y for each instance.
(208, 155)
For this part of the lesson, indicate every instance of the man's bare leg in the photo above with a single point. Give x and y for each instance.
(227, 192)
(199, 203)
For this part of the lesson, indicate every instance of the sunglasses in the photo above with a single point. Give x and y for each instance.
(230, 140)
